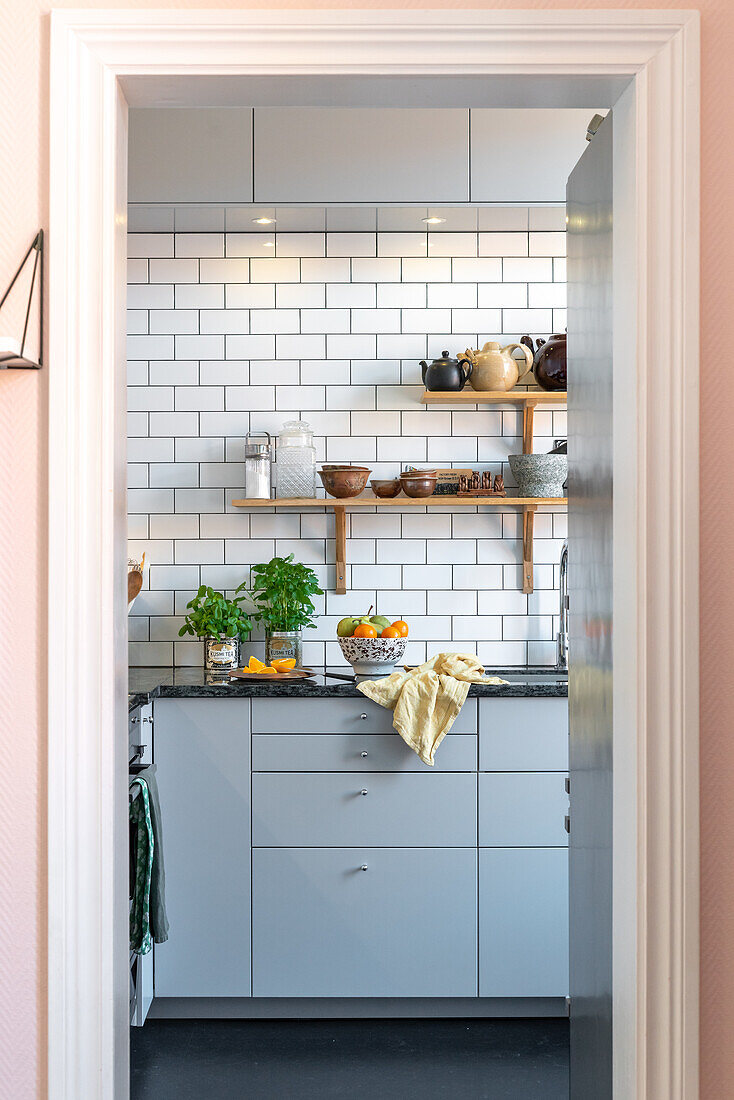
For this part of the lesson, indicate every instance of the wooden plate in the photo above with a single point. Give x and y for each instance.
(292, 674)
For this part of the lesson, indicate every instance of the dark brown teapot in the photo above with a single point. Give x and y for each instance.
(549, 361)
(445, 373)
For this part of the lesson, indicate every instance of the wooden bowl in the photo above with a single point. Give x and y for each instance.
(344, 481)
(389, 488)
(419, 483)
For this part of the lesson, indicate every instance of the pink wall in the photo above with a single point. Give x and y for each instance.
(24, 36)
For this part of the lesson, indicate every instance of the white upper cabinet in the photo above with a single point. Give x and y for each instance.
(356, 154)
(522, 156)
(200, 154)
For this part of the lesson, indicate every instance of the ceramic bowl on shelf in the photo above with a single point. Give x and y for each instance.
(419, 483)
(344, 481)
(373, 656)
(386, 488)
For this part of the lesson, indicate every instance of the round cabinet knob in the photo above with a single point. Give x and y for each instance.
(363, 716)
(363, 791)
(363, 754)
(363, 867)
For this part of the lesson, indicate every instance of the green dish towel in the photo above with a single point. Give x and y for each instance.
(148, 920)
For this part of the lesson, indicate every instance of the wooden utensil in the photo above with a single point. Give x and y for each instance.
(135, 581)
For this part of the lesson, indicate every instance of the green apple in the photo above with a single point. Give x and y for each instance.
(345, 627)
(381, 621)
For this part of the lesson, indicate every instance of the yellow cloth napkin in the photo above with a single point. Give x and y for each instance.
(426, 701)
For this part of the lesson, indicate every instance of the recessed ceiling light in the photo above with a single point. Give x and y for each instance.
(433, 221)
(264, 221)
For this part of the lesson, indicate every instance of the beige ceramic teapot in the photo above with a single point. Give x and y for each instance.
(493, 368)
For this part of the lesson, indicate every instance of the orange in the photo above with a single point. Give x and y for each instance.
(254, 665)
(364, 630)
(402, 628)
(282, 664)
(267, 670)
(390, 632)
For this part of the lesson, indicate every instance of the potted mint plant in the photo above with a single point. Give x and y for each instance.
(220, 623)
(282, 591)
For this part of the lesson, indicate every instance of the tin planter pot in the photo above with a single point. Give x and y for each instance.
(221, 654)
(284, 644)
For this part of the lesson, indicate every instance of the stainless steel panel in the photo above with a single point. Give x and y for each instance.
(405, 926)
(318, 809)
(590, 381)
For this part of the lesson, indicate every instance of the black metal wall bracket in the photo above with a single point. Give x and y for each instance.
(8, 359)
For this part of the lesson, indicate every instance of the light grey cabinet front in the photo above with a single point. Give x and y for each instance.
(202, 752)
(319, 809)
(364, 922)
(518, 735)
(361, 154)
(523, 922)
(190, 154)
(315, 752)
(358, 716)
(522, 809)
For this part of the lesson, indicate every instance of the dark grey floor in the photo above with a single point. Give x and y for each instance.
(354, 1059)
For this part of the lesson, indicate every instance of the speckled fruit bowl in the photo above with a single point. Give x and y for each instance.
(373, 656)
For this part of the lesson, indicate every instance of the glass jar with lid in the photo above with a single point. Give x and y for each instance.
(295, 473)
(258, 455)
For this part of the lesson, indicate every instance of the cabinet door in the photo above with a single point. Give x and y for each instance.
(522, 155)
(202, 753)
(404, 927)
(523, 922)
(523, 735)
(361, 154)
(522, 809)
(390, 809)
(198, 154)
(335, 715)
(338, 752)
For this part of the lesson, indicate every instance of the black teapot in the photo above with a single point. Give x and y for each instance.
(445, 373)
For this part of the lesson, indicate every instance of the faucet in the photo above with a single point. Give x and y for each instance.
(562, 636)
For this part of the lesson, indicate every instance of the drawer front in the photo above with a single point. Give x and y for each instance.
(517, 735)
(318, 809)
(522, 809)
(523, 922)
(404, 927)
(338, 752)
(338, 716)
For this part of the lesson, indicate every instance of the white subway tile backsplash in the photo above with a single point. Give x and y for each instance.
(199, 244)
(149, 244)
(173, 423)
(481, 270)
(385, 269)
(329, 270)
(174, 271)
(327, 326)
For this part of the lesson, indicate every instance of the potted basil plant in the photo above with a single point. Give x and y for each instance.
(220, 623)
(281, 591)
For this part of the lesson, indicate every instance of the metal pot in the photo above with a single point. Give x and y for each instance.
(282, 644)
(221, 654)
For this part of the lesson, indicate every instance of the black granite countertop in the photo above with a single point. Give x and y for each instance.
(145, 684)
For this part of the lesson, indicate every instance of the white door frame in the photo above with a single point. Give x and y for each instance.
(656, 529)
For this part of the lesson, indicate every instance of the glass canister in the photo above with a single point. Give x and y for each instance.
(258, 455)
(295, 473)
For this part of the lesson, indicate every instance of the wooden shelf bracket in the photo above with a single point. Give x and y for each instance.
(340, 519)
(528, 525)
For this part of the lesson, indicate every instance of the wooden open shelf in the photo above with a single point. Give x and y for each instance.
(369, 500)
(494, 397)
(526, 399)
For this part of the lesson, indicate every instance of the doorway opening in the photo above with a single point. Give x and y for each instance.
(110, 762)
